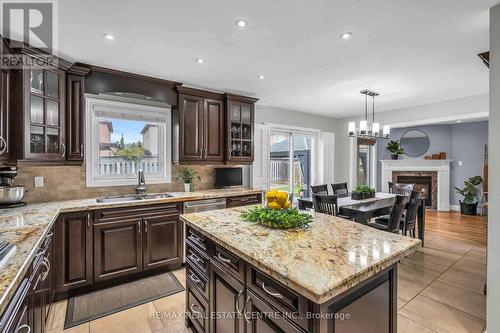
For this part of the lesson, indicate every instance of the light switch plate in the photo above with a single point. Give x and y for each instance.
(39, 181)
(460, 163)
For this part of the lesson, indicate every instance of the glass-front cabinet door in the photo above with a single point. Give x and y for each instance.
(44, 114)
(240, 132)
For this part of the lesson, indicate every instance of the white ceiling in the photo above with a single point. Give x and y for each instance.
(412, 52)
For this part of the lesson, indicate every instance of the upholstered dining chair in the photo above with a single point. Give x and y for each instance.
(340, 189)
(395, 216)
(320, 189)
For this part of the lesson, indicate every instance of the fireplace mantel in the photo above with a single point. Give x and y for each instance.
(443, 176)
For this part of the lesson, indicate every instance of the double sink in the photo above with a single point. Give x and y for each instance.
(133, 197)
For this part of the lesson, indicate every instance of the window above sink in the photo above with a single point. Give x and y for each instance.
(125, 135)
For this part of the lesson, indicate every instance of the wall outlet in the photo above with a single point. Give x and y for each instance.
(39, 181)
(460, 163)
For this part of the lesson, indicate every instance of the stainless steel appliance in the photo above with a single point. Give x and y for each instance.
(10, 194)
(200, 206)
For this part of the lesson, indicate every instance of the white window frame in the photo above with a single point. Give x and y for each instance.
(125, 108)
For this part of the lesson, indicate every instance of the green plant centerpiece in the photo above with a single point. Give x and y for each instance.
(362, 191)
(469, 206)
(394, 147)
(188, 177)
(278, 213)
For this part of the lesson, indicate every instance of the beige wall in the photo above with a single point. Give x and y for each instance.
(68, 182)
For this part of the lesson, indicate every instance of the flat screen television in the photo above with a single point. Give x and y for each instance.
(225, 177)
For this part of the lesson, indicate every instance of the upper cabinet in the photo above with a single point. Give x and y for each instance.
(5, 105)
(201, 126)
(240, 122)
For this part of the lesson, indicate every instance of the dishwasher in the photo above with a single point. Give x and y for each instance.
(198, 206)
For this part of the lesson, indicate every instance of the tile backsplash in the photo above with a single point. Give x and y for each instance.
(68, 182)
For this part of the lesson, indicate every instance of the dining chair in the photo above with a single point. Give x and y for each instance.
(327, 204)
(395, 216)
(402, 189)
(410, 219)
(320, 189)
(340, 189)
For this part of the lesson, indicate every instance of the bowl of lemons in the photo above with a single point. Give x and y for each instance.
(277, 213)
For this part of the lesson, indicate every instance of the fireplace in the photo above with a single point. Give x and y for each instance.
(422, 184)
(425, 181)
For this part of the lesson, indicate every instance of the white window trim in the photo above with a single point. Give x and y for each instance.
(353, 158)
(113, 105)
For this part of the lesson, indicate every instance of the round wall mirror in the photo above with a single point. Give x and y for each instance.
(415, 143)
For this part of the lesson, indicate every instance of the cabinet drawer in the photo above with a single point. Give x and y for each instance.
(197, 281)
(197, 310)
(15, 316)
(197, 259)
(244, 200)
(281, 297)
(197, 239)
(230, 262)
(112, 214)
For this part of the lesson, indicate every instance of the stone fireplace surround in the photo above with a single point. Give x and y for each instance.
(432, 174)
(409, 166)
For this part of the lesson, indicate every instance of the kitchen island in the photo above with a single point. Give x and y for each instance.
(334, 276)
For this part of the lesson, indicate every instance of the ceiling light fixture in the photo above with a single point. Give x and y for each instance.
(241, 23)
(261, 77)
(364, 131)
(459, 121)
(108, 36)
(200, 60)
(346, 35)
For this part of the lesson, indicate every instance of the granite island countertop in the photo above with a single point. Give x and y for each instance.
(319, 262)
(25, 227)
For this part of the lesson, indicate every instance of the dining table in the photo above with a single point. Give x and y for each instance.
(362, 211)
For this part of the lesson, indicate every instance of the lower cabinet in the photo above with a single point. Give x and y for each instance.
(16, 317)
(227, 298)
(73, 251)
(117, 249)
(162, 236)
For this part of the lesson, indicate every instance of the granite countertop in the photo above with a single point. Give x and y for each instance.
(319, 262)
(25, 227)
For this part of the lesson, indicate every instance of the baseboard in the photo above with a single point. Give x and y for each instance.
(455, 208)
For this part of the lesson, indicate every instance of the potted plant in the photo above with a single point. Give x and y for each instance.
(188, 177)
(361, 192)
(395, 148)
(469, 192)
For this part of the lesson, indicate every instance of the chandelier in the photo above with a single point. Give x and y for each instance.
(365, 131)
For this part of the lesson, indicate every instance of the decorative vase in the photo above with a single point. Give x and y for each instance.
(187, 187)
(394, 156)
(468, 208)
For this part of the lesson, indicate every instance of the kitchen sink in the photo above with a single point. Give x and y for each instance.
(132, 197)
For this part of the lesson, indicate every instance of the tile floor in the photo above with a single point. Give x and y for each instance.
(440, 289)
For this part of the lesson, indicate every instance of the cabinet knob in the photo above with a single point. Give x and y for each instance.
(3, 144)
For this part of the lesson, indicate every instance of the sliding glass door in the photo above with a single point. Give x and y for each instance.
(291, 161)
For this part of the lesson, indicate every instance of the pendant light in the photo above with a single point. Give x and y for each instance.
(365, 130)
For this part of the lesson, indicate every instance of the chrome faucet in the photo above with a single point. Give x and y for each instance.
(141, 183)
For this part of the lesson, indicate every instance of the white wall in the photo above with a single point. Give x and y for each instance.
(493, 298)
(462, 108)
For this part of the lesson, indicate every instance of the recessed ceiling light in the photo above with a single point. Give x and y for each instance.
(108, 36)
(346, 35)
(261, 77)
(200, 60)
(241, 23)
(459, 121)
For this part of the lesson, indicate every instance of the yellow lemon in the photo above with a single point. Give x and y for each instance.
(273, 205)
(270, 196)
(282, 197)
(287, 205)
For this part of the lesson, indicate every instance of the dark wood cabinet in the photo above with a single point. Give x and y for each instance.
(191, 128)
(73, 251)
(201, 126)
(227, 296)
(5, 106)
(117, 249)
(161, 239)
(16, 317)
(75, 114)
(240, 120)
(244, 200)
